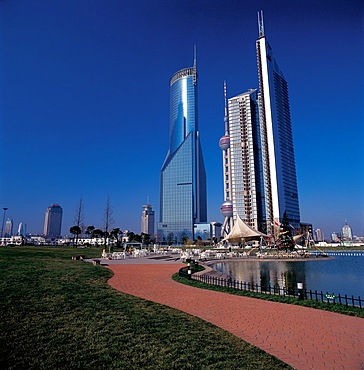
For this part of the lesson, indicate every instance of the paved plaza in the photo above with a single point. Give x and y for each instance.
(303, 337)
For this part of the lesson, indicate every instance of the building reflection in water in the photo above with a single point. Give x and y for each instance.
(278, 274)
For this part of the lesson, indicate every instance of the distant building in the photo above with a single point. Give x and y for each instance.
(319, 235)
(306, 228)
(8, 228)
(347, 233)
(334, 237)
(208, 230)
(148, 220)
(53, 221)
(22, 229)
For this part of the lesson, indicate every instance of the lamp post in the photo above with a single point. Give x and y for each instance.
(2, 228)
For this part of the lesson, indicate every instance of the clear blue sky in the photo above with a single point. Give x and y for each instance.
(84, 95)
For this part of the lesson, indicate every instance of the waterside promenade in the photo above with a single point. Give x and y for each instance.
(303, 337)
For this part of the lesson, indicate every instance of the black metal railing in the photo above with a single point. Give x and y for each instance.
(190, 269)
(276, 290)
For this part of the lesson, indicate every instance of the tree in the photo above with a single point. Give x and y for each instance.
(78, 220)
(130, 236)
(108, 220)
(170, 238)
(97, 233)
(89, 230)
(115, 233)
(75, 230)
(184, 238)
(146, 239)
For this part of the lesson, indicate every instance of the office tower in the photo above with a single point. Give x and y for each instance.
(278, 161)
(53, 221)
(22, 229)
(182, 177)
(148, 220)
(8, 228)
(347, 233)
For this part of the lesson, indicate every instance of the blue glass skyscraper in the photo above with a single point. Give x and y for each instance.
(182, 178)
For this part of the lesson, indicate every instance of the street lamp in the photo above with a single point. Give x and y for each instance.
(2, 228)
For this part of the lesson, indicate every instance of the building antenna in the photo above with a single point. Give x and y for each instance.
(226, 118)
(194, 68)
(260, 24)
(194, 57)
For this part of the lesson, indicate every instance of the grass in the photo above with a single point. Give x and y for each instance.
(351, 311)
(56, 313)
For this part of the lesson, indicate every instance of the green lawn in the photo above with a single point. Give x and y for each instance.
(56, 313)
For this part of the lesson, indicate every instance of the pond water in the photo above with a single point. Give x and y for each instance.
(344, 274)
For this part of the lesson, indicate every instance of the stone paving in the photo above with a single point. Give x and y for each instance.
(303, 337)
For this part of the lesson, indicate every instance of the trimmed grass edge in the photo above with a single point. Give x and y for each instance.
(350, 311)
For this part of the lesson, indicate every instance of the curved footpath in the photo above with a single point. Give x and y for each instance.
(304, 338)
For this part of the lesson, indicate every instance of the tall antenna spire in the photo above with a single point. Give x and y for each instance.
(226, 119)
(194, 75)
(194, 57)
(260, 24)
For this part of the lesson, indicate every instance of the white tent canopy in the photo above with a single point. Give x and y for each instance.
(242, 231)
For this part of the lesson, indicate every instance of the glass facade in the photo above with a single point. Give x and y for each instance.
(182, 179)
(279, 170)
(53, 221)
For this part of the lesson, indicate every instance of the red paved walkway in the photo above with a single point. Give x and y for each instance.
(302, 337)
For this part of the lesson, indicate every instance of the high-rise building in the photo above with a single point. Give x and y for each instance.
(258, 158)
(53, 221)
(320, 237)
(22, 229)
(278, 160)
(334, 237)
(8, 228)
(182, 178)
(347, 233)
(148, 220)
(244, 167)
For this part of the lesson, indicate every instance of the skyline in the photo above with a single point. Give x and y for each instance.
(85, 101)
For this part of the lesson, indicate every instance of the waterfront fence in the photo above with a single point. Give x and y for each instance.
(228, 282)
